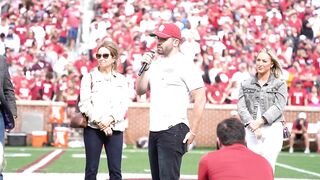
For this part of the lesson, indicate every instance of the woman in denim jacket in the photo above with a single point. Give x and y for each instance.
(104, 98)
(262, 99)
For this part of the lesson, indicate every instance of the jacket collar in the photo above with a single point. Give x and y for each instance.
(255, 79)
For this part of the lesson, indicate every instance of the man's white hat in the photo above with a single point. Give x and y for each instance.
(302, 115)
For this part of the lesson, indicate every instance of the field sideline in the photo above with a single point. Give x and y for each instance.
(52, 163)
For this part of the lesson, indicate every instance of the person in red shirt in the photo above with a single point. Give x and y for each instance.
(23, 93)
(35, 86)
(228, 161)
(214, 92)
(83, 64)
(297, 95)
(299, 131)
(48, 87)
(313, 98)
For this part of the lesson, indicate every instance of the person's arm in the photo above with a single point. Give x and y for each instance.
(275, 111)
(199, 98)
(8, 89)
(143, 79)
(244, 114)
(304, 126)
(210, 98)
(85, 104)
(142, 83)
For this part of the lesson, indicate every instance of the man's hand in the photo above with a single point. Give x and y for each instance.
(190, 136)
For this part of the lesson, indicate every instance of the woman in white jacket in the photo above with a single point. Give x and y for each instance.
(104, 99)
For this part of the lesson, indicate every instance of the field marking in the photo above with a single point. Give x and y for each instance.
(44, 161)
(17, 155)
(298, 169)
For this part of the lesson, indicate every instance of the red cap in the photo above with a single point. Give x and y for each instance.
(167, 31)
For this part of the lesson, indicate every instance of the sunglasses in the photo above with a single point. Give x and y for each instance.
(105, 56)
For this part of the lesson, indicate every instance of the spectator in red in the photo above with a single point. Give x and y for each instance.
(297, 95)
(214, 92)
(48, 87)
(35, 86)
(294, 21)
(73, 21)
(62, 86)
(23, 92)
(70, 96)
(314, 97)
(300, 131)
(83, 64)
(21, 30)
(315, 56)
(308, 76)
(227, 162)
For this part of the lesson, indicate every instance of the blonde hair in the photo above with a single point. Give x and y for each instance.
(276, 69)
(114, 52)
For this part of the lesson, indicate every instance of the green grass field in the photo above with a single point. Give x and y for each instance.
(297, 165)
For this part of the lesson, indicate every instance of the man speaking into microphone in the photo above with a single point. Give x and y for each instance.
(173, 79)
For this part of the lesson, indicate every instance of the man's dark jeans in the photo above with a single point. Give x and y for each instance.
(94, 139)
(166, 149)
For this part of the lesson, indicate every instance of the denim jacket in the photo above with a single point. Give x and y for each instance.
(271, 97)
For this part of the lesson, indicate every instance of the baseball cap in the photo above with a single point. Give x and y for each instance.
(167, 31)
(302, 115)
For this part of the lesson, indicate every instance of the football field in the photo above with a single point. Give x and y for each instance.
(56, 163)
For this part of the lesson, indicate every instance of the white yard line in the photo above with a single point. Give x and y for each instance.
(298, 169)
(43, 161)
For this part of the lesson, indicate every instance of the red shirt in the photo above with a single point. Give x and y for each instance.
(215, 91)
(234, 162)
(21, 31)
(297, 96)
(24, 93)
(297, 126)
(313, 100)
(47, 89)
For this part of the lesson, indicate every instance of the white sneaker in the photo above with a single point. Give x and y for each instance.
(291, 150)
(307, 151)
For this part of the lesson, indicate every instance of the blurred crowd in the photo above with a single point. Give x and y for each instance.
(41, 40)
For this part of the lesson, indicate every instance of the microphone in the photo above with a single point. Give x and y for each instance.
(144, 65)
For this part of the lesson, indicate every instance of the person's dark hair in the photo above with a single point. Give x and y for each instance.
(231, 131)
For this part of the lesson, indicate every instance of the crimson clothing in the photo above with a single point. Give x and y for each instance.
(297, 126)
(234, 162)
(47, 88)
(297, 96)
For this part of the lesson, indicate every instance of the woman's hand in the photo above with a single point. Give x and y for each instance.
(106, 123)
(108, 131)
(258, 133)
(254, 125)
